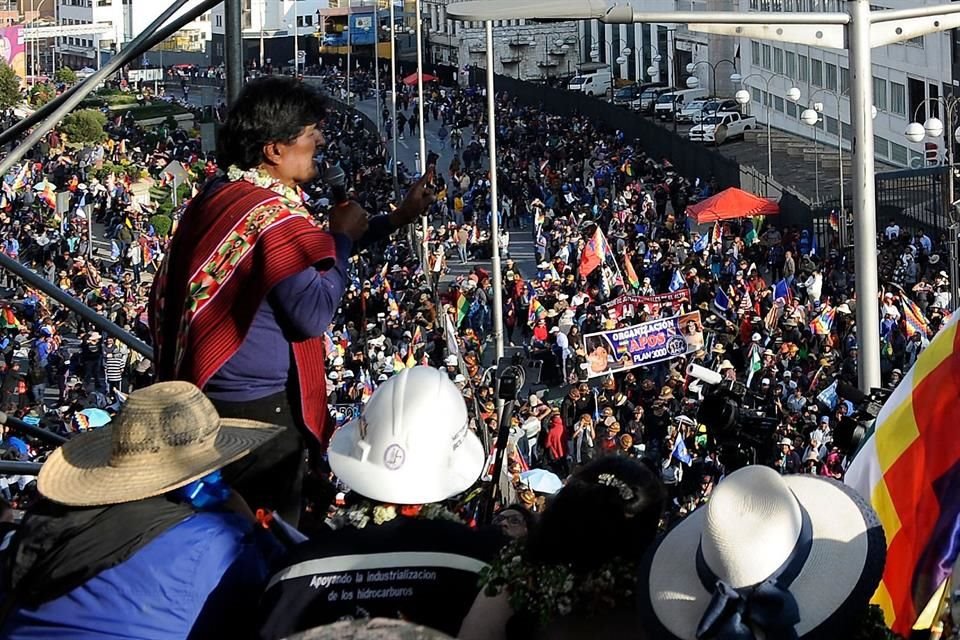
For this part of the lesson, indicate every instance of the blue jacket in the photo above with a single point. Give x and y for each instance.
(195, 580)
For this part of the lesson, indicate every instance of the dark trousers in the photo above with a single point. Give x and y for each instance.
(270, 477)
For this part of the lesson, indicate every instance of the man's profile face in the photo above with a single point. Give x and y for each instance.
(295, 160)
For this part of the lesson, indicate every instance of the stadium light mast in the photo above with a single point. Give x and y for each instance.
(857, 31)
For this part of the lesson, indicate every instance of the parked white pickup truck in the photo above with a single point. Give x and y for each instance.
(722, 126)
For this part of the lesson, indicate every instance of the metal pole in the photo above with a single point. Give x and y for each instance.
(864, 196)
(71, 303)
(263, 18)
(769, 145)
(843, 229)
(816, 159)
(494, 204)
(349, 48)
(393, 95)
(423, 139)
(952, 241)
(233, 42)
(376, 59)
(296, 41)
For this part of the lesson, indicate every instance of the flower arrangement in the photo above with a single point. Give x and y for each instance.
(364, 512)
(549, 591)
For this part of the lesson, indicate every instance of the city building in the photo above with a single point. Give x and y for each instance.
(905, 76)
(268, 32)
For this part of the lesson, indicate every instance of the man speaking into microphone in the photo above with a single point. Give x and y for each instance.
(251, 282)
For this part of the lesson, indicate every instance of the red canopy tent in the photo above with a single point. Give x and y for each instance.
(729, 204)
(411, 79)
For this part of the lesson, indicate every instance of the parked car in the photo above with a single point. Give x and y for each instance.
(692, 111)
(626, 95)
(708, 107)
(722, 126)
(668, 104)
(648, 97)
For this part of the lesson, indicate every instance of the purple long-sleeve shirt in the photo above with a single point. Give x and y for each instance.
(300, 307)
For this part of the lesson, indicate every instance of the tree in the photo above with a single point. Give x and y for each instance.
(40, 94)
(65, 75)
(10, 95)
(84, 126)
(162, 224)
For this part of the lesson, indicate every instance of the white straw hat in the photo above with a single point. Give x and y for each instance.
(412, 444)
(166, 436)
(806, 551)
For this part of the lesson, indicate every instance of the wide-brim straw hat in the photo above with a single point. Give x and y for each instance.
(815, 538)
(166, 436)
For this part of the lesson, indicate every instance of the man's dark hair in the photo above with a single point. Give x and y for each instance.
(271, 109)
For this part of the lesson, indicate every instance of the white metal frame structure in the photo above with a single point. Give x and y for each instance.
(857, 31)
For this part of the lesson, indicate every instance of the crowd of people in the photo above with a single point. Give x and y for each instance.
(634, 448)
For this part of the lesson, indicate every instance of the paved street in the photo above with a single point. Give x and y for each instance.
(521, 242)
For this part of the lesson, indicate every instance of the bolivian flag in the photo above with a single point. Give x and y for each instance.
(909, 470)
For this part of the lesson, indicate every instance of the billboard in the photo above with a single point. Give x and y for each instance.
(361, 29)
(12, 49)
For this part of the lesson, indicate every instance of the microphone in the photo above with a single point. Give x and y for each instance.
(336, 179)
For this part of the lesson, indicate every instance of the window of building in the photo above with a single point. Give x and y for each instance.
(816, 72)
(791, 65)
(803, 70)
(880, 147)
(755, 53)
(830, 72)
(792, 109)
(755, 94)
(898, 98)
(754, 5)
(833, 127)
(765, 61)
(219, 21)
(880, 93)
(104, 3)
(844, 80)
(778, 60)
(898, 153)
(778, 103)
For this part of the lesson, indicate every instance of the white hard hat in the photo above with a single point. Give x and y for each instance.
(397, 451)
(450, 360)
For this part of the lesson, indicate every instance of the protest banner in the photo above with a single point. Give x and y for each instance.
(630, 306)
(344, 413)
(643, 344)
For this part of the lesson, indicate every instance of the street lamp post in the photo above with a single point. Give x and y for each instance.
(743, 97)
(393, 96)
(713, 68)
(933, 129)
(811, 117)
(376, 59)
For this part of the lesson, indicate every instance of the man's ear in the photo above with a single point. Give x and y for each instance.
(272, 153)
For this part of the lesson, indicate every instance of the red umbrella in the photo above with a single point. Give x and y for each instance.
(412, 79)
(729, 204)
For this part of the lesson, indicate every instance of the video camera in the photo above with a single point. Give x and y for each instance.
(516, 375)
(743, 435)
